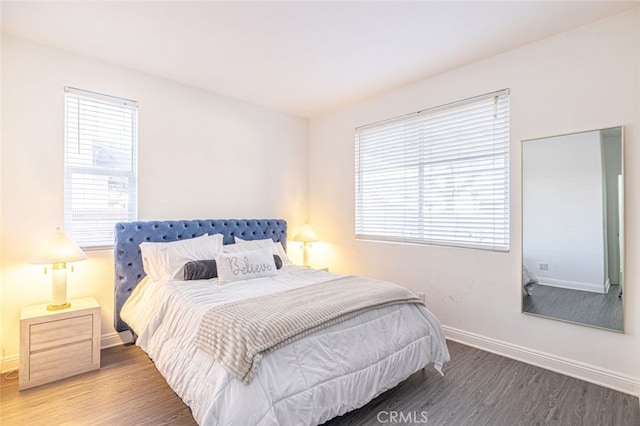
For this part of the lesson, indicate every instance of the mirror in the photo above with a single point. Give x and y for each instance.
(572, 228)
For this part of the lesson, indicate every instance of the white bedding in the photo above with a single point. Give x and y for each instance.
(310, 381)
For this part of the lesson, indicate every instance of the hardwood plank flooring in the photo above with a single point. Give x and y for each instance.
(127, 390)
(479, 388)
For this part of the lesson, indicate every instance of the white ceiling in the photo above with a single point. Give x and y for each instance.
(303, 58)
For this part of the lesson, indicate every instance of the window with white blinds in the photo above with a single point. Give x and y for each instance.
(439, 176)
(101, 165)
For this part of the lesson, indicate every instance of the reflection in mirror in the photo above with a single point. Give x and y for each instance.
(572, 227)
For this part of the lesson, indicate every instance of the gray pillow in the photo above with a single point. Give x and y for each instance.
(200, 270)
(207, 269)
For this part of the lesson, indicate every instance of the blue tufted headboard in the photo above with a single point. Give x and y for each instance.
(129, 235)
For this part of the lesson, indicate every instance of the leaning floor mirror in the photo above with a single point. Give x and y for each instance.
(572, 228)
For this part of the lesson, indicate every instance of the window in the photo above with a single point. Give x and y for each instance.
(439, 176)
(100, 163)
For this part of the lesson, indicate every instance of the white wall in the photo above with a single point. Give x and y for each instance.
(201, 155)
(2, 353)
(580, 80)
(563, 211)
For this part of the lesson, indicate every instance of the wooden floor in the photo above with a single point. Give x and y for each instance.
(478, 388)
(127, 390)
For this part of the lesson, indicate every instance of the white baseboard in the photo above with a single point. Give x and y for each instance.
(114, 339)
(579, 370)
(10, 363)
(572, 285)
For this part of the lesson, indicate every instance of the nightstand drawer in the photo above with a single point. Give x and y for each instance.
(60, 362)
(60, 332)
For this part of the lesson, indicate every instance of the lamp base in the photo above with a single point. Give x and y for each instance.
(305, 254)
(58, 307)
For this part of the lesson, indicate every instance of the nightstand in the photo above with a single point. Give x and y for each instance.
(319, 268)
(58, 344)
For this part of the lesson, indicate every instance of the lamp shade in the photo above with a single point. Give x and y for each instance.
(58, 248)
(306, 234)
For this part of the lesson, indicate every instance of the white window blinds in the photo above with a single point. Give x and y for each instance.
(100, 159)
(439, 176)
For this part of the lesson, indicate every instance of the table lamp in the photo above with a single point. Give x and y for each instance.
(57, 250)
(306, 236)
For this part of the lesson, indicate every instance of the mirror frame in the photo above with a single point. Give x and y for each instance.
(622, 227)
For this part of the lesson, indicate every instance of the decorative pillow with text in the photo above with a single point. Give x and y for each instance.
(245, 265)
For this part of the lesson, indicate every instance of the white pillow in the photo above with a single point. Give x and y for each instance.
(245, 265)
(243, 245)
(165, 261)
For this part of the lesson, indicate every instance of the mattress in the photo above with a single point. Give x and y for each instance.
(323, 375)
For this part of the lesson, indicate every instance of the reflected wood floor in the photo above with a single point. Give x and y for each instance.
(599, 310)
(479, 388)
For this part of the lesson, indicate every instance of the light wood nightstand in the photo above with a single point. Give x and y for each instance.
(58, 344)
(319, 268)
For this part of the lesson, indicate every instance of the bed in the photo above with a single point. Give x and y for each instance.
(322, 374)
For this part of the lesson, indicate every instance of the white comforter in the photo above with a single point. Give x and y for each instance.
(310, 381)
